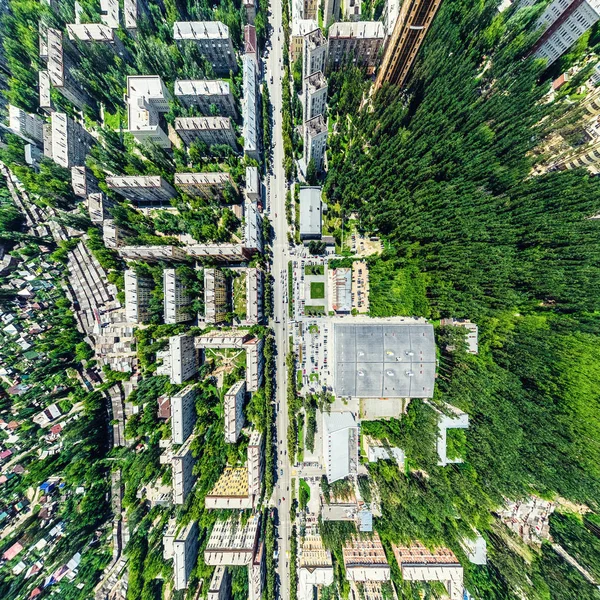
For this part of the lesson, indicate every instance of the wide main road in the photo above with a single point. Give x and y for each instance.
(276, 206)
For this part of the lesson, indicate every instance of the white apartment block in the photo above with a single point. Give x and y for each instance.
(253, 227)
(314, 54)
(359, 43)
(183, 549)
(26, 125)
(232, 543)
(204, 185)
(70, 141)
(564, 21)
(138, 291)
(83, 181)
(300, 27)
(234, 411)
(109, 13)
(142, 189)
(315, 95)
(256, 574)
(44, 89)
(391, 10)
(59, 69)
(250, 130)
(213, 41)
(132, 10)
(220, 252)
(180, 361)
(99, 207)
(255, 362)
(215, 296)
(176, 299)
(111, 233)
(96, 33)
(153, 253)
(252, 184)
(212, 97)
(220, 585)
(183, 414)
(254, 296)
(147, 101)
(182, 465)
(352, 10)
(210, 130)
(340, 445)
(315, 142)
(255, 465)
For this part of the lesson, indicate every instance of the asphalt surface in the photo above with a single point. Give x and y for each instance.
(276, 205)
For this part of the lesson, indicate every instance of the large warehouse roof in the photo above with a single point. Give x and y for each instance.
(384, 360)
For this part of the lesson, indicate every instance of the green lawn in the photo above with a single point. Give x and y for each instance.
(314, 310)
(314, 269)
(314, 329)
(317, 290)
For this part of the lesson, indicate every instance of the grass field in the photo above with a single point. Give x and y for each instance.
(314, 269)
(317, 290)
(314, 310)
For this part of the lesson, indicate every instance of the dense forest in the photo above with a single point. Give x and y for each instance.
(442, 172)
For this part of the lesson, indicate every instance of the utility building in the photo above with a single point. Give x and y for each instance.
(215, 296)
(213, 41)
(315, 95)
(234, 411)
(176, 299)
(410, 30)
(147, 101)
(563, 23)
(315, 142)
(211, 97)
(138, 291)
(359, 43)
(183, 414)
(314, 54)
(340, 445)
(311, 209)
(210, 130)
(143, 190)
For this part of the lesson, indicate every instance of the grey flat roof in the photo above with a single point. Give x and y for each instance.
(310, 211)
(384, 360)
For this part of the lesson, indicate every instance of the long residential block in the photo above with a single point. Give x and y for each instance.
(26, 125)
(215, 296)
(234, 411)
(177, 301)
(315, 142)
(142, 189)
(182, 547)
(179, 360)
(211, 97)
(204, 185)
(154, 253)
(358, 43)
(182, 464)
(250, 130)
(183, 414)
(70, 141)
(210, 130)
(138, 291)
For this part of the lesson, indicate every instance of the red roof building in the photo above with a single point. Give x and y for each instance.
(250, 45)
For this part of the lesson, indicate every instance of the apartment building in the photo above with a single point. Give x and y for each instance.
(300, 28)
(182, 465)
(315, 142)
(250, 43)
(99, 207)
(310, 9)
(232, 542)
(205, 185)
(253, 227)
(211, 97)
(352, 10)
(255, 465)
(70, 141)
(250, 131)
(147, 102)
(183, 414)
(250, 8)
(314, 53)
(142, 190)
(182, 547)
(138, 292)
(61, 62)
(215, 296)
(44, 91)
(365, 560)
(418, 563)
(410, 30)
(132, 11)
(340, 445)
(252, 184)
(153, 253)
(234, 411)
(331, 12)
(210, 130)
(220, 252)
(83, 181)
(177, 301)
(27, 126)
(563, 23)
(314, 98)
(96, 33)
(358, 43)
(179, 361)
(109, 13)
(254, 296)
(213, 41)
(220, 584)
(255, 363)
(230, 492)
(315, 565)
